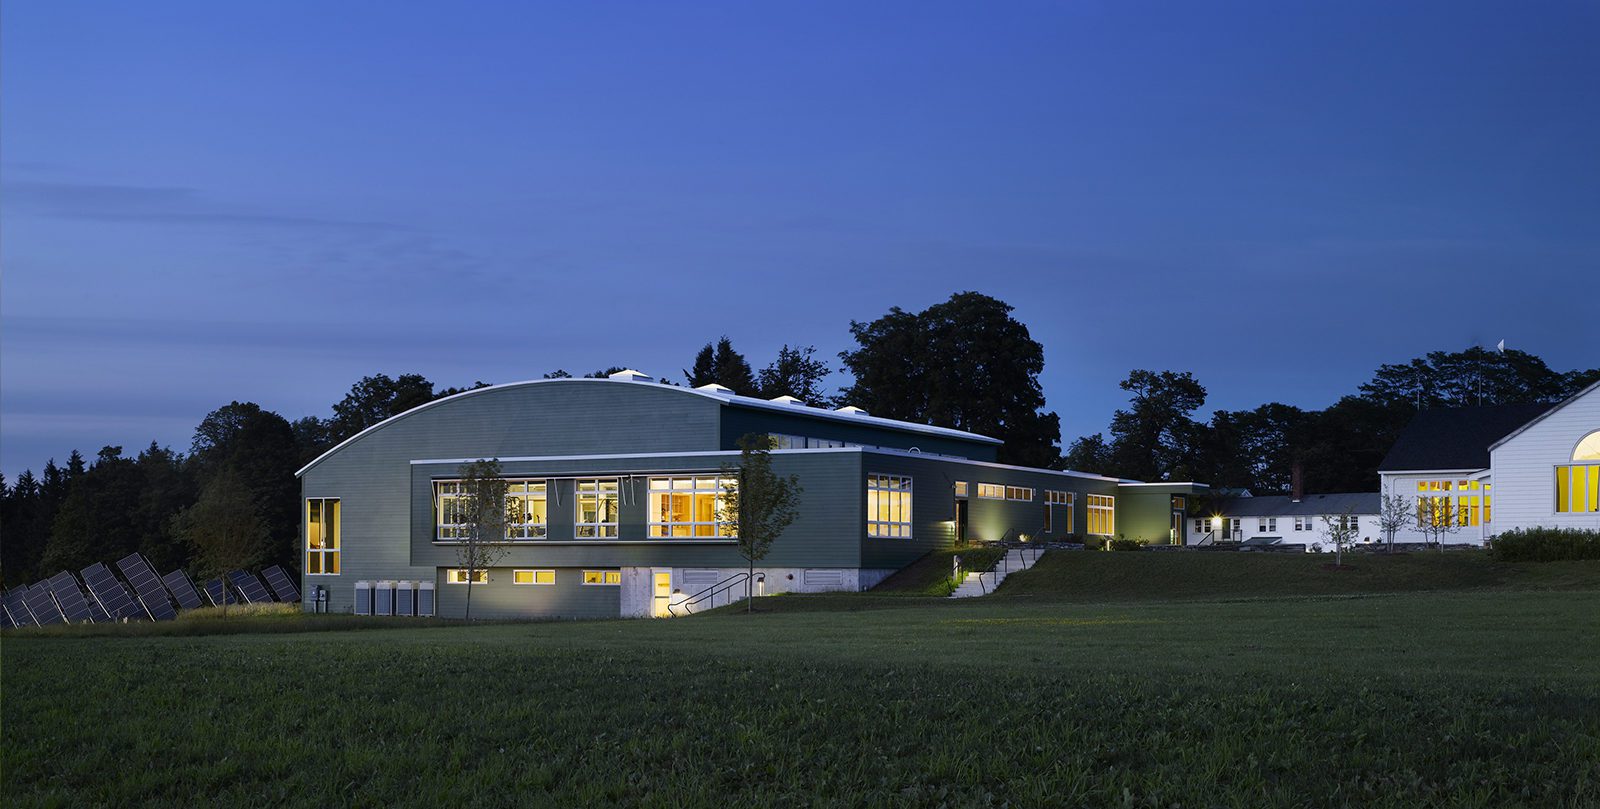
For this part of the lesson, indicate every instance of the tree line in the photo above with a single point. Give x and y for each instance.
(964, 363)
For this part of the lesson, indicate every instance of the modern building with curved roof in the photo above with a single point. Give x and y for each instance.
(616, 487)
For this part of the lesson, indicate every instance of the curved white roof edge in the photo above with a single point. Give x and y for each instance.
(725, 398)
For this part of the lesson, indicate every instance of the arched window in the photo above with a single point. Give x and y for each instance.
(1589, 448)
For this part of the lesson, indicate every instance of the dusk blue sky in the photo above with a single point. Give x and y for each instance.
(266, 201)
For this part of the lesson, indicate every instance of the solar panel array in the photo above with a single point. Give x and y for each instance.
(218, 593)
(282, 586)
(43, 605)
(111, 593)
(182, 590)
(69, 597)
(250, 587)
(102, 597)
(152, 593)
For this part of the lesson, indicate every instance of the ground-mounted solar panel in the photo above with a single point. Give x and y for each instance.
(5, 620)
(182, 590)
(43, 605)
(218, 593)
(69, 597)
(16, 606)
(97, 612)
(152, 593)
(249, 587)
(112, 594)
(282, 584)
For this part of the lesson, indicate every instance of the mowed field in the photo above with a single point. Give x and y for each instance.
(1487, 694)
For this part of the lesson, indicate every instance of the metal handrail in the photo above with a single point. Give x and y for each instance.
(709, 592)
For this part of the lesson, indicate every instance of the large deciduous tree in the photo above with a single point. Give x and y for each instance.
(376, 398)
(260, 447)
(965, 363)
(225, 526)
(1155, 438)
(796, 372)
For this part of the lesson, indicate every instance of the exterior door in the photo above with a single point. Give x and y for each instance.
(961, 522)
(661, 593)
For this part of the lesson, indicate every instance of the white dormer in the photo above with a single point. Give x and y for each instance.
(630, 375)
(715, 388)
(851, 410)
(788, 400)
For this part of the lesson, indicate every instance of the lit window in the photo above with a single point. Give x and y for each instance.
(691, 506)
(533, 577)
(1577, 488)
(1588, 449)
(458, 575)
(1022, 493)
(595, 509)
(526, 513)
(961, 488)
(993, 491)
(1103, 514)
(889, 506)
(602, 577)
(322, 536)
(1179, 504)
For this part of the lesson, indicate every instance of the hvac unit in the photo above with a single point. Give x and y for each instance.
(404, 599)
(363, 598)
(383, 598)
(425, 599)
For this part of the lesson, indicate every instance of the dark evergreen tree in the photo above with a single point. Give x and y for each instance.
(165, 489)
(96, 520)
(720, 364)
(965, 363)
(259, 447)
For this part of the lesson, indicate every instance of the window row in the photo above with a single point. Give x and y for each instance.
(781, 441)
(681, 506)
(889, 506)
(996, 491)
(1578, 487)
(545, 576)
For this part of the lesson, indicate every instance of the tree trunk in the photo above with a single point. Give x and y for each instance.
(750, 589)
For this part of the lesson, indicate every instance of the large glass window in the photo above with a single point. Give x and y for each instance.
(1058, 500)
(889, 506)
(1588, 449)
(1578, 488)
(595, 509)
(602, 577)
(526, 514)
(1102, 514)
(993, 491)
(1463, 502)
(322, 536)
(691, 506)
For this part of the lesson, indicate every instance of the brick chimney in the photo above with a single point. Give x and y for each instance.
(1297, 483)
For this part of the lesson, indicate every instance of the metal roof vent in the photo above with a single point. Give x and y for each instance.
(851, 410)
(630, 375)
(788, 400)
(715, 388)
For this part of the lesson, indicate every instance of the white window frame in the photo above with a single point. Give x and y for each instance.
(893, 517)
(333, 550)
(991, 491)
(1020, 494)
(458, 575)
(1103, 506)
(524, 531)
(534, 582)
(599, 529)
(722, 524)
(609, 577)
(961, 488)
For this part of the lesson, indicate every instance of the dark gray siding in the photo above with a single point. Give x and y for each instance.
(372, 474)
(988, 520)
(827, 532)
(569, 597)
(738, 421)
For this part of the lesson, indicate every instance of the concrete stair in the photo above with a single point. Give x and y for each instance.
(984, 583)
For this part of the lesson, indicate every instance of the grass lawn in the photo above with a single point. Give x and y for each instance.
(1488, 695)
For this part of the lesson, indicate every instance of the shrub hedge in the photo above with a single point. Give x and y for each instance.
(1545, 545)
(1123, 544)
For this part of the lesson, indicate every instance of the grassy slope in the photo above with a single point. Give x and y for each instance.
(930, 575)
(1458, 699)
(1087, 576)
